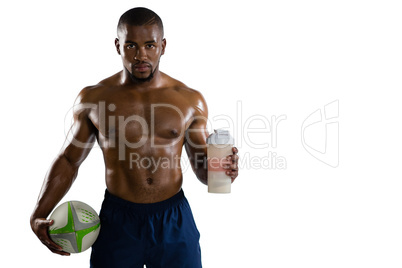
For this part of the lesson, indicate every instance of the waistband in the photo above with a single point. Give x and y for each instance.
(146, 208)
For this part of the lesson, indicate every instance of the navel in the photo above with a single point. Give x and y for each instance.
(149, 180)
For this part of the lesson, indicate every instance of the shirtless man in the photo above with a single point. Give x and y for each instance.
(139, 116)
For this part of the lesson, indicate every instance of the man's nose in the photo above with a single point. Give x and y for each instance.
(141, 54)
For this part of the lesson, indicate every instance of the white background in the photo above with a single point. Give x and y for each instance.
(275, 57)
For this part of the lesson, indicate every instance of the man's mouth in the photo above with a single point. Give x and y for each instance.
(143, 67)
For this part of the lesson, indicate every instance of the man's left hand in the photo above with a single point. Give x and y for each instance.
(231, 167)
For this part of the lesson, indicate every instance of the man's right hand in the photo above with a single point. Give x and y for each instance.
(40, 227)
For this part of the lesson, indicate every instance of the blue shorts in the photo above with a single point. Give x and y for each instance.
(161, 234)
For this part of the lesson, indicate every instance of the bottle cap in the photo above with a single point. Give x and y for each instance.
(220, 136)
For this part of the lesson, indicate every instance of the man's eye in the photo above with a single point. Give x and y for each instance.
(131, 46)
(150, 46)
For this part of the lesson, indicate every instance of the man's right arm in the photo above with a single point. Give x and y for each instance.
(63, 172)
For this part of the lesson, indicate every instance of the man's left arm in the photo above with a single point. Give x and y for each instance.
(196, 146)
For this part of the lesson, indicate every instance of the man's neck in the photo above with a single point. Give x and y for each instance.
(155, 82)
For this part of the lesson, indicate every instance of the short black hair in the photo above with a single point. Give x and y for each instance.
(140, 16)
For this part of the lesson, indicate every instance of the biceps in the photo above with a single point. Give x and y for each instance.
(196, 137)
(79, 141)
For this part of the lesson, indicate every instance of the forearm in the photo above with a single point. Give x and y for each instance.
(57, 182)
(202, 176)
(200, 168)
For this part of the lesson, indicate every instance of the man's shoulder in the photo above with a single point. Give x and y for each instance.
(192, 96)
(183, 89)
(95, 92)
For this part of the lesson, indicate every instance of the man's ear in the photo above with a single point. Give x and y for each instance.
(117, 45)
(163, 46)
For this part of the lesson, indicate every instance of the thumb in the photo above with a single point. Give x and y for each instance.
(44, 222)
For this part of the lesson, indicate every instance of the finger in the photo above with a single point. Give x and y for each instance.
(42, 227)
(232, 158)
(232, 173)
(45, 238)
(62, 253)
(43, 234)
(231, 166)
(226, 161)
(43, 222)
(51, 245)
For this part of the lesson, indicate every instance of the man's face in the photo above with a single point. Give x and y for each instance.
(140, 48)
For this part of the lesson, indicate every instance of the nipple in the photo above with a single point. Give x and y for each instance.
(174, 132)
(149, 180)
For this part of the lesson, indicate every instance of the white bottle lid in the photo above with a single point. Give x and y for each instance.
(220, 136)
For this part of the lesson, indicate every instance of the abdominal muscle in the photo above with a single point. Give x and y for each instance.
(143, 178)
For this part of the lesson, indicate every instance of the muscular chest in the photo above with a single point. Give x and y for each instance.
(137, 119)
